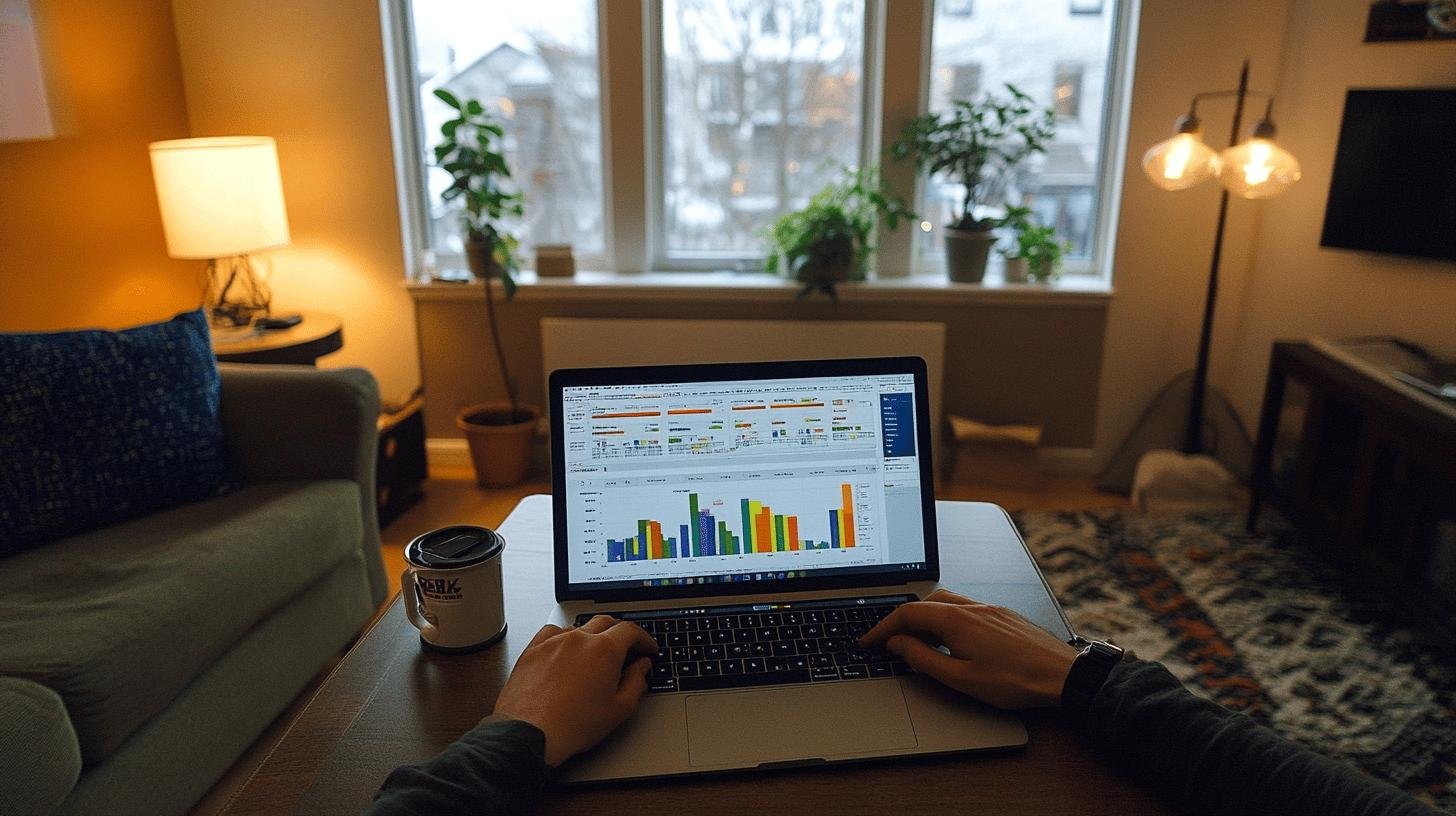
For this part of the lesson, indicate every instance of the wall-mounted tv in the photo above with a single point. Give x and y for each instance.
(1393, 188)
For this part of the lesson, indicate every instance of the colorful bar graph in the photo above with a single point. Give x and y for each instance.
(704, 534)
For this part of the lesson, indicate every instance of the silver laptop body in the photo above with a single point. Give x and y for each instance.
(768, 489)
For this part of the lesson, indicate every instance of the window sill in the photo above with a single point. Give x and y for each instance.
(588, 285)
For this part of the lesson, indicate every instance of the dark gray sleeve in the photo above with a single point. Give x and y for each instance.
(497, 768)
(1203, 758)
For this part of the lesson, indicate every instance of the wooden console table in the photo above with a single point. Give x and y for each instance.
(1366, 466)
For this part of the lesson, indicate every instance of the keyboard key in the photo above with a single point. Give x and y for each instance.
(813, 616)
(834, 616)
(799, 662)
(821, 661)
(793, 618)
(813, 631)
(779, 664)
(698, 638)
(881, 670)
(709, 668)
(722, 635)
(689, 669)
(658, 686)
(677, 639)
(855, 671)
(820, 674)
(783, 648)
(806, 646)
(760, 649)
(715, 652)
(855, 614)
(736, 649)
(709, 682)
(707, 623)
(772, 619)
(743, 636)
(749, 621)
(766, 634)
(728, 622)
(790, 633)
(835, 630)
(753, 665)
(660, 670)
(833, 645)
(843, 659)
(696, 652)
(668, 625)
(661, 641)
(679, 653)
(687, 625)
(732, 666)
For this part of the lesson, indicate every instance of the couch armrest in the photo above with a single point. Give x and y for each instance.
(285, 423)
(40, 759)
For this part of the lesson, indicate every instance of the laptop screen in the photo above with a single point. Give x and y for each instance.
(715, 484)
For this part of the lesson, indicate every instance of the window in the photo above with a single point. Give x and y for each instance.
(750, 107)
(1067, 90)
(535, 66)
(1027, 43)
(784, 113)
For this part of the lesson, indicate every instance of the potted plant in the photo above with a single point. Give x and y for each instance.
(1036, 255)
(832, 238)
(978, 143)
(499, 434)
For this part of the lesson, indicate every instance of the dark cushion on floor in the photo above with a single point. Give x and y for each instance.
(101, 426)
(119, 620)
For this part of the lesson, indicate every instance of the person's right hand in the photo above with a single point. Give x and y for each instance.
(996, 655)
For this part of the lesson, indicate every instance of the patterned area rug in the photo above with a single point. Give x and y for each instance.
(1263, 625)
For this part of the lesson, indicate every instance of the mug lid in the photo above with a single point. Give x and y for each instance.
(460, 545)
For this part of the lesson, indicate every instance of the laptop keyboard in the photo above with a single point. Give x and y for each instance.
(764, 644)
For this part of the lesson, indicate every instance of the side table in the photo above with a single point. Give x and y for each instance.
(318, 334)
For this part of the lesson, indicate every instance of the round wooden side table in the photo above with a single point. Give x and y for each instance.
(318, 334)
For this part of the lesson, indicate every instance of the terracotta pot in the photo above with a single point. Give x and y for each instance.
(478, 258)
(500, 448)
(966, 252)
(1018, 270)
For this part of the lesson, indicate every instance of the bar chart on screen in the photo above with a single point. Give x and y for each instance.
(809, 523)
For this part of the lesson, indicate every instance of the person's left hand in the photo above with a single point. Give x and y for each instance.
(578, 684)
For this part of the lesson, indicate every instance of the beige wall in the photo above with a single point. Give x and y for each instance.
(81, 237)
(1295, 287)
(310, 73)
(1003, 363)
(1164, 240)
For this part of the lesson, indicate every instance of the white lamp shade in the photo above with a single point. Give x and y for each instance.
(24, 109)
(219, 196)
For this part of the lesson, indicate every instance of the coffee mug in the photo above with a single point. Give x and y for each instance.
(452, 588)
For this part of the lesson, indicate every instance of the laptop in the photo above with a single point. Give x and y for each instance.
(756, 519)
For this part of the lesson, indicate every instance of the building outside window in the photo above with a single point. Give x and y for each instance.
(1057, 55)
(785, 114)
(756, 106)
(535, 67)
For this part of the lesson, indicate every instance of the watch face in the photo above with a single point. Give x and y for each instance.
(1107, 649)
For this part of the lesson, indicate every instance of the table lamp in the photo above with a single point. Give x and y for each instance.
(25, 111)
(222, 198)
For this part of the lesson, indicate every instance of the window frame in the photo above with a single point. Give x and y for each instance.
(630, 55)
(412, 186)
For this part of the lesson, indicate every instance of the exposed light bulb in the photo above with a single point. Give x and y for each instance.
(1180, 162)
(1257, 168)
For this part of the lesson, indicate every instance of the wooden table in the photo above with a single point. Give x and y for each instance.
(389, 702)
(316, 335)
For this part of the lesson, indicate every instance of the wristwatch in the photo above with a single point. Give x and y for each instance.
(1089, 671)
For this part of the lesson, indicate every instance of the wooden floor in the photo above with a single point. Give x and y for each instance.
(452, 497)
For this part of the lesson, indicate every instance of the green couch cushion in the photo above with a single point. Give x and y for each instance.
(39, 758)
(119, 620)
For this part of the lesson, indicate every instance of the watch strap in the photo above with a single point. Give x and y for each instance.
(1088, 674)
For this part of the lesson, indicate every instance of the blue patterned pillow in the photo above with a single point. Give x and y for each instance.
(102, 426)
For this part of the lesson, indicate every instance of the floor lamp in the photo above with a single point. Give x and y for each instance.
(1254, 168)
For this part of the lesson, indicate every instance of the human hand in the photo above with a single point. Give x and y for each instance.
(578, 684)
(996, 655)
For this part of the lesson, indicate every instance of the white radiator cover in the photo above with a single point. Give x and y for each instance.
(586, 343)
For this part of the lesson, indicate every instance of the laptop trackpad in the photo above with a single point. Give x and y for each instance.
(749, 728)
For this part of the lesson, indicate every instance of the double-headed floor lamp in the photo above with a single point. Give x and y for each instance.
(1253, 168)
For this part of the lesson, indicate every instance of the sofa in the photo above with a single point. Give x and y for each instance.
(139, 661)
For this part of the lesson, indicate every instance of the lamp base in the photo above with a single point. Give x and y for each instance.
(234, 293)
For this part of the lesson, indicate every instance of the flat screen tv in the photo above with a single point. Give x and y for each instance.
(1393, 188)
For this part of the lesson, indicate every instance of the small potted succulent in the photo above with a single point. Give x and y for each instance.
(831, 238)
(499, 433)
(1035, 255)
(979, 143)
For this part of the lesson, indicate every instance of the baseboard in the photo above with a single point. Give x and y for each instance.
(1068, 461)
(452, 452)
(448, 452)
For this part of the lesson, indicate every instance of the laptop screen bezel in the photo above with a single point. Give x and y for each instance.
(562, 379)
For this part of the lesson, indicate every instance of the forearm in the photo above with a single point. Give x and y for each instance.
(497, 768)
(1206, 759)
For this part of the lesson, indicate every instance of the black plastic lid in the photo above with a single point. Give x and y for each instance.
(458, 546)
